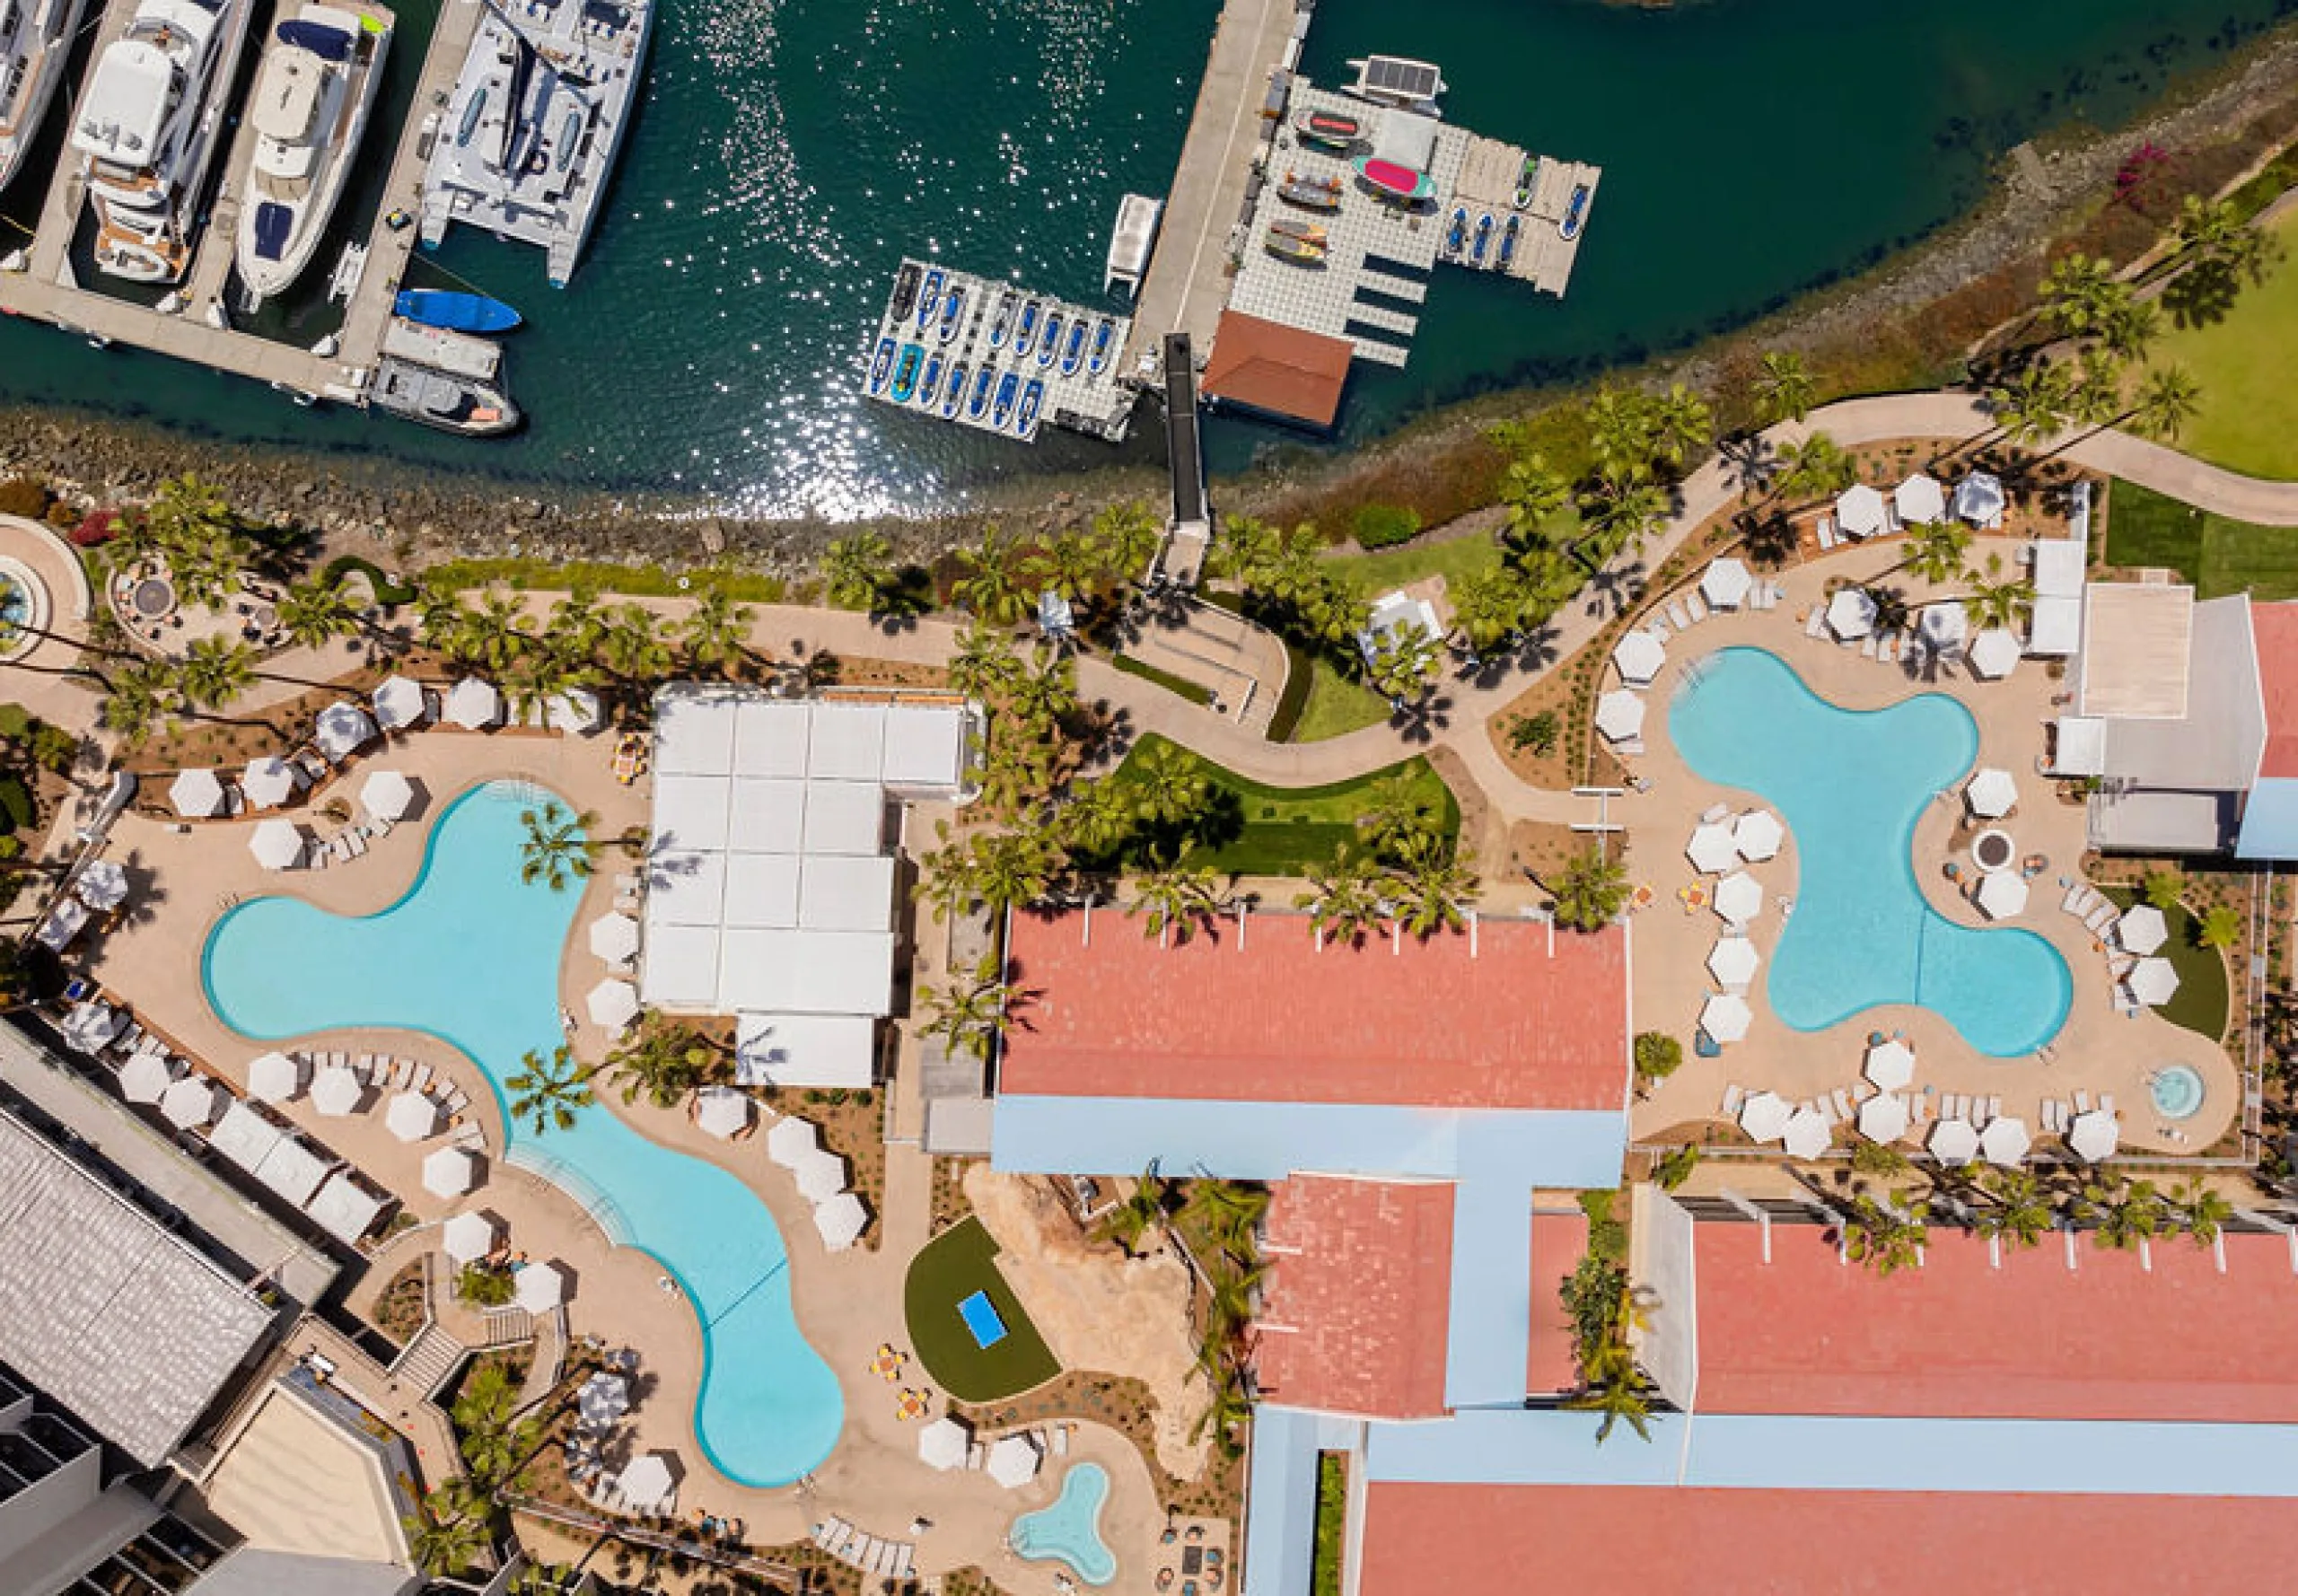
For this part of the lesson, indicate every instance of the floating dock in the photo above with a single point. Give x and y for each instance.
(1492, 179)
(1093, 402)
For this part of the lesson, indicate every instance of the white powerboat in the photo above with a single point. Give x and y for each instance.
(321, 71)
(35, 40)
(147, 128)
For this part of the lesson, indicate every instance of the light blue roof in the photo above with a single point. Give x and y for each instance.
(1280, 1532)
(1492, 1269)
(2270, 820)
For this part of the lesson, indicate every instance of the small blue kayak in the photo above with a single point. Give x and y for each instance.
(456, 312)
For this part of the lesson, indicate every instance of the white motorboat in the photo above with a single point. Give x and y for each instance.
(320, 71)
(35, 40)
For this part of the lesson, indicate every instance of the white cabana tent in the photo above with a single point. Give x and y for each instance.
(1979, 499)
(1851, 613)
(2005, 1142)
(1920, 500)
(1725, 1017)
(102, 884)
(1991, 792)
(1765, 1116)
(576, 712)
(1739, 897)
(2141, 929)
(2002, 896)
(1725, 583)
(790, 1140)
(62, 923)
(147, 1077)
(1712, 849)
(342, 730)
(646, 1485)
(1883, 1117)
(821, 1175)
(1994, 653)
(1941, 629)
(470, 1235)
(1889, 1064)
(275, 1077)
(91, 1027)
(840, 1221)
(614, 937)
(337, 1093)
(2094, 1137)
(412, 1117)
(245, 1137)
(387, 794)
(540, 1286)
(1639, 656)
(1733, 961)
(1013, 1462)
(601, 1399)
(1806, 1134)
(277, 845)
(612, 1003)
(2079, 745)
(1758, 835)
(268, 782)
(190, 1103)
(1953, 1141)
(722, 1111)
(450, 1171)
(2153, 981)
(944, 1444)
(196, 793)
(472, 704)
(347, 1206)
(1619, 715)
(1859, 510)
(398, 703)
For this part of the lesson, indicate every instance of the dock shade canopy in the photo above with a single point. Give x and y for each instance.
(328, 44)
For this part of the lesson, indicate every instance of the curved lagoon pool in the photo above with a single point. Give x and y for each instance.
(472, 956)
(1070, 1529)
(1850, 785)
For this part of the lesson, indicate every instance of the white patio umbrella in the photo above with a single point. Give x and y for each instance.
(2093, 1136)
(336, 1091)
(1943, 627)
(147, 1077)
(540, 1286)
(1889, 1064)
(601, 1399)
(646, 1485)
(1619, 715)
(412, 1117)
(1851, 613)
(1979, 499)
(2002, 896)
(277, 845)
(90, 1027)
(1639, 656)
(274, 1077)
(612, 1003)
(102, 884)
(1739, 897)
(450, 1171)
(2153, 981)
(1013, 1462)
(1883, 1117)
(1953, 1141)
(190, 1102)
(268, 782)
(1758, 835)
(1733, 960)
(387, 794)
(575, 712)
(1726, 584)
(1920, 500)
(473, 705)
(822, 1175)
(1994, 653)
(2142, 929)
(840, 1221)
(1991, 792)
(469, 1236)
(1712, 849)
(398, 701)
(2005, 1142)
(1859, 511)
(721, 1110)
(1765, 1116)
(343, 729)
(614, 937)
(1725, 1017)
(944, 1444)
(790, 1140)
(196, 793)
(1806, 1136)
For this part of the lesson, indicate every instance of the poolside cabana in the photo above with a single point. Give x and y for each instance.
(614, 938)
(63, 921)
(197, 794)
(945, 1444)
(91, 1027)
(337, 1093)
(647, 1485)
(450, 1171)
(1994, 653)
(1619, 715)
(470, 1236)
(1712, 849)
(1765, 1116)
(1979, 500)
(245, 1137)
(277, 845)
(540, 1286)
(790, 1140)
(2005, 1142)
(343, 730)
(1859, 510)
(840, 1221)
(577, 712)
(601, 1399)
(275, 1077)
(472, 704)
(1725, 1017)
(1639, 656)
(1942, 630)
(412, 1117)
(2094, 1137)
(722, 1111)
(821, 1175)
(2153, 981)
(387, 794)
(1758, 836)
(2002, 896)
(147, 1077)
(1991, 792)
(1883, 1117)
(190, 1103)
(347, 1206)
(1953, 1141)
(1725, 583)
(1739, 897)
(1733, 962)
(612, 1003)
(102, 884)
(268, 782)
(399, 704)
(2141, 929)
(1806, 1134)
(1889, 1064)
(1920, 500)
(1851, 613)
(1013, 1461)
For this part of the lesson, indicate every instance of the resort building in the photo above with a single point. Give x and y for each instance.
(771, 885)
(1283, 373)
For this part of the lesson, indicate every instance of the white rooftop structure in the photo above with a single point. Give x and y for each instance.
(1395, 612)
(823, 1050)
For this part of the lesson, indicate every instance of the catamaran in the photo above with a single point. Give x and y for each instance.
(319, 75)
(35, 40)
(1398, 81)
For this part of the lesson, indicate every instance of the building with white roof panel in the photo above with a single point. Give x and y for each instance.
(805, 1049)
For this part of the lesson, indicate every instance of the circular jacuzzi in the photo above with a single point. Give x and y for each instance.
(2177, 1090)
(153, 598)
(23, 609)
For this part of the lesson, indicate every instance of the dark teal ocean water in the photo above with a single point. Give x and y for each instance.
(791, 151)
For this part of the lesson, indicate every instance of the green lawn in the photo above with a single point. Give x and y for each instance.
(948, 1269)
(1337, 704)
(2248, 419)
(1332, 1521)
(2201, 1002)
(2218, 556)
(1261, 830)
(1194, 692)
(1458, 557)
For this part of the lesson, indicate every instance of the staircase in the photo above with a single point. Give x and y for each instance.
(509, 1327)
(429, 1359)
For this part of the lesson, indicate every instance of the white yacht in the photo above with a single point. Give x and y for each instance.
(35, 40)
(317, 82)
(147, 128)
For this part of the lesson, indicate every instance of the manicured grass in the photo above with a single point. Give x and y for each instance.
(1332, 1520)
(1335, 704)
(2218, 556)
(1194, 692)
(2200, 1003)
(1262, 830)
(2249, 418)
(1453, 559)
(946, 1271)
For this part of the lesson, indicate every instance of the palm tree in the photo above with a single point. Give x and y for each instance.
(1013, 868)
(1129, 535)
(190, 525)
(1682, 425)
(2020, 1212)
(1995, 602)
(1142, 1213)
(1245, 546)
(1589, 892)
(949, 881)
(442, 1545)
(1488, 607)
(1936, 551)
(1625, 513)
(1227, 1412)
(539, 676)
(1232, 1211)
(1784, 388)
(1613, 1386)
(315, 612)
(2221, 927)
(557, 848)
(214, 670)
(1621, 428)
(664, 1062)
(2164, 888)
(1043, 697)
(1170, 786)
(1394, 821)
(2075, 292)
(491, 636)
(1347, 898)
(985, 665)
(1816, 469)
(1535, 496)
(1097, 819)
(1883, 1237)
(631, 646)
(1181, 897)
(2169, 398)
(1403, 664)
(550, 1091)
(713, 633)
(988, 589)
(2127, 1213)
(858, 570)
(1070, 564)
(2033, 405)
(577, 624)
(2221, 251)
(2202, 1209)
(139, 701)
(970, 1015)
(1438, 893)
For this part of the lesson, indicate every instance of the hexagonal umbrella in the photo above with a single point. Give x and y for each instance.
(2153, 981)
(1733, 960)
(822, 1175)
(602, 1399)
(722, 1111)
(1953, 1141)
(1920, 500)
(1013, 1461)
(337, 1093)
(268, 782)
(450, 1171)
(412, 1117)
(1710, 850)
(1765, 1116)
(277, 845)
(1639, 656)
(1758, 835)
(1883, 1117)
(190, 1103)
(274, 1077)
(840, 1222)
(343, 729)
(196, 793)
(1979, 499)
(612, 1005)
(2142, 929)
(398, 703)
(614, 937)
(945, 1444)
(1851, 613)
(2094, 1137)
(1994, 653)
(540, 1286)
(470, 1235)
(790, 1140)
(1859, 511)
(1806, 1134)
(1889, 1064)
(1991, 792)
(1619, 715)
(576, 712)
(387, 794)
(1725, 1017)
(1739, 897)
(473, 705)
(102, 884)
(2005, 1142)
(92, 1026)
(147, 1077)
(647, 1485)
(2002, 896)
(1725, 583)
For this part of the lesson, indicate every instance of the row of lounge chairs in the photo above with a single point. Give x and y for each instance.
(402, 1075)
(890, 1559)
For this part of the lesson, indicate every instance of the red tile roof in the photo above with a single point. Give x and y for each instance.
(1282, 371)
(1559, 1241)
(1557, 1540)
(1959, 1339)
(1532, 1020)
(1355, 1312)
(2276, 628)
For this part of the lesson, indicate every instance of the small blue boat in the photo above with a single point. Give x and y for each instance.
(954, 314)
(1002, 324)
(457, 312)
(929, 299)
(1050, 344)
(1103, 336)
(906, 374)
(882, 367)
(956, 396)
(1026, 422)
(981, 388)
(1027, 333)
(1508, 240)
(1007, 387)
(1575, 212)
(1457, 237)
(1483, 238)
(1074, 355)
(929, 387)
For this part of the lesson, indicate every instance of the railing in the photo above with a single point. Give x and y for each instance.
(600, 1524)
(2258, 971)
(601, 1209)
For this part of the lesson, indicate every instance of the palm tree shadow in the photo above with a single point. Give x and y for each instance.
(1420, 721)
(1612, 590)
(1750, 462)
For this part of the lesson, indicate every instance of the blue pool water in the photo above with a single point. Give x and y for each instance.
(1850, 786)
(1071, 1529)
(981, 1315)
(472, 956)
(2177, 1091)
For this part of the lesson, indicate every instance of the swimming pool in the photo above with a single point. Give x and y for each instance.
(1070, 1529)
(1850, 785)
(2177, 1090)
(471, 955)
(982, 1323)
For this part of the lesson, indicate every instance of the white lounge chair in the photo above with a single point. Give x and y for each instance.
(1734, 1096)
(1696, 607)
(1676, 616)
